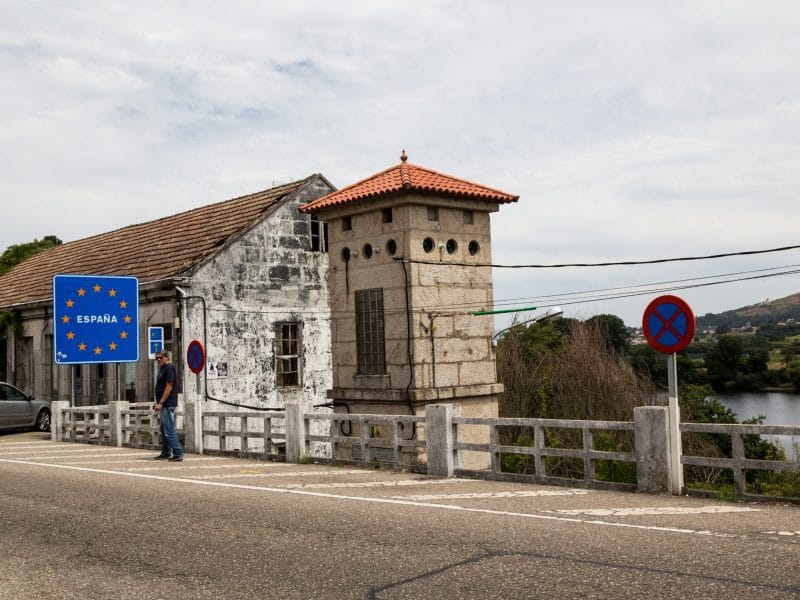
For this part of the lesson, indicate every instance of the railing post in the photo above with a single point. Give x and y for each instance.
(115, 417)
(295, 433)
(440, 439)
(189, 434)
(651, 429)
(588, 463)
(57, 419)
(737, 454)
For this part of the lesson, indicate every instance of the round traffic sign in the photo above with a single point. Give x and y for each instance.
(668, 324)
(195, 356)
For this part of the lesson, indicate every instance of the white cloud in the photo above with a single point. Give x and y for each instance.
(629, 129)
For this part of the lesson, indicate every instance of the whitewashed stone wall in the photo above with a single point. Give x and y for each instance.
(267, 276)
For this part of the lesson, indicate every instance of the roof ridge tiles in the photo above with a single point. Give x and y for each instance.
(408, 177)
(158, 249)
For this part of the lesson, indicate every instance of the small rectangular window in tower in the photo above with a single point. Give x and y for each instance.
(386, 214)
(433, 213)
(370, 347)
(287, 354)
(469, 218)
(347, 223)
(317, 234)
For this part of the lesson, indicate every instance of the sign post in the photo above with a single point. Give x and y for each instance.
(669, 324)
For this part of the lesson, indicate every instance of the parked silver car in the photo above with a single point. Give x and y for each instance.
(18, 410)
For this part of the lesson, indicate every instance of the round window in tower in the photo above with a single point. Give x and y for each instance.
(473, 248)
(391, 247)
(367, 251)
(428, 244)
(345, 254)
(452, 246)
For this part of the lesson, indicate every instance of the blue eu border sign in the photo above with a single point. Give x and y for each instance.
(95, 319)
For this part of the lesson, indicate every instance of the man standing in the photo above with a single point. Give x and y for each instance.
(166, 403)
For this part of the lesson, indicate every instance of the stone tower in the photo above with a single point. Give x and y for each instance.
(410, 250)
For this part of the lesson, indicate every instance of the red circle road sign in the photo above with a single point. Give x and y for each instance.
(195, 356)
(668, 324)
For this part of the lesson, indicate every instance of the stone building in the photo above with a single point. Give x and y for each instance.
(410, 252)
(246, 277)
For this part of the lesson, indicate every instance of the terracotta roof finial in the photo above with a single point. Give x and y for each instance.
(403, 156)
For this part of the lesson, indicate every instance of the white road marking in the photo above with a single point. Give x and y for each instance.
(366, 499)
(514, 494)
(6, 446)
(184, 466)
(783, 533)
(292, 474)
(95, 457)
(374, 484)
(93, 451)
(667, 510)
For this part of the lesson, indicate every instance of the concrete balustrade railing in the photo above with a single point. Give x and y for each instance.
(433, 443)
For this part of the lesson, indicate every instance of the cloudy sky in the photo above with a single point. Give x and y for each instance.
(630, 130)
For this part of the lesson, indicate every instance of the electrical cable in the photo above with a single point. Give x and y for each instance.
(558, 298)
(607, 264)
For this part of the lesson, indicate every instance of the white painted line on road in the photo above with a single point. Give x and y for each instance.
(163, 466)
(147, 458)
(5, 446)
(665, 510)
(783, 533)
(77, 450)
(514, 494)
(366, 499)
(374, 484)
(292, 474)
(95, 457)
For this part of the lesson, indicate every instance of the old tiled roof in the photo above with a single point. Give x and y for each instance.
(407, 177)
(161, 249)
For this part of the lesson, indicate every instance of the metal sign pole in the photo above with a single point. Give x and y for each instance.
(676, 468)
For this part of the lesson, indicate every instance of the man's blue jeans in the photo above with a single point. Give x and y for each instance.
(169, 435)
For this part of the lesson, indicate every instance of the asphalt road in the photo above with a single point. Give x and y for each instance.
(79, 521)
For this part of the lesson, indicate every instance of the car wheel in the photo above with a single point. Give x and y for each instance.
(43, 420)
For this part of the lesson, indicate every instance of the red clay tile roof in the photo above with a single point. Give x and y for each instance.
(407, 177)
(161, 249)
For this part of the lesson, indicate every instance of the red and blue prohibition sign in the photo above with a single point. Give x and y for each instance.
(668, 324)
(195, 357)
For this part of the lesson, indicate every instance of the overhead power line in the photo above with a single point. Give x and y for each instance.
(604, 264)
(621, 291)
(630, 292)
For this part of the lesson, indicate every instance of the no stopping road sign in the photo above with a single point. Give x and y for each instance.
(668, 324)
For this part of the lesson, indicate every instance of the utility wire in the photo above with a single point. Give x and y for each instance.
(572, 295)
(564, 298)
(561, 302)
(604, 264)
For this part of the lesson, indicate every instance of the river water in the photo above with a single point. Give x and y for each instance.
(779, 408)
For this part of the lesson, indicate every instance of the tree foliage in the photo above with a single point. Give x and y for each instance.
(613, 331)
(18, 253)
(575, 375)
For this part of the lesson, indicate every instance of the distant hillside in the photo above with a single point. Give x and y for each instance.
(772, 311)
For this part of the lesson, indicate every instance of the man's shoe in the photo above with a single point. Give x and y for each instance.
(163, 457)
(176, 459)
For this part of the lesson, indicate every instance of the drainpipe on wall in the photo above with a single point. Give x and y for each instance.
(13, 357)
(431, 330)
(409, 345)
(182, 317)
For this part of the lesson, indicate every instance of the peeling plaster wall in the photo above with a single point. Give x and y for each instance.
(266, 276)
